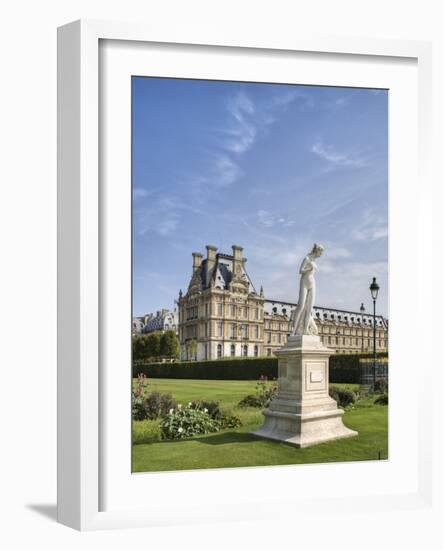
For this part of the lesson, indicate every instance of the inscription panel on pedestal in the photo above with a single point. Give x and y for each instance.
(315, 375)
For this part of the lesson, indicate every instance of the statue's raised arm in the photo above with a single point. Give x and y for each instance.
(303, 322)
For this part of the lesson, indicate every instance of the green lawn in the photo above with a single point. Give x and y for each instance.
(238, 447)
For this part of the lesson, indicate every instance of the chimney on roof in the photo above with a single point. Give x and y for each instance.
(196, 261)
(237, 252)
(210, 260)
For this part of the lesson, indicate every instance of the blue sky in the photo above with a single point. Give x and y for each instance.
(273, 168)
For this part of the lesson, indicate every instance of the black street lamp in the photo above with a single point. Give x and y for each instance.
(362, 310)
(374, 288)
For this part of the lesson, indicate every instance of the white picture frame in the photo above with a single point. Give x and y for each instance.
(82, 411)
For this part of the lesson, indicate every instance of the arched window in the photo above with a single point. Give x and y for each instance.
(232, 350)
(245, 350)
(255, 351)
(219, 350)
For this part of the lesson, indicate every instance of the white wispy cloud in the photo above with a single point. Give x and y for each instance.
(267, 219)
(163, 217)
(241, 130)
(330, 154)
(218, 173)
(225, 171)
(338, 252)
(371, 233)
(168, 226)
(346, 283)
(285, 98)
(247, 119)
(372, 227)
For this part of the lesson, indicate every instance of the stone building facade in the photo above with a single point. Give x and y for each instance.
(223, 315)
(164, 319)
(341, 330)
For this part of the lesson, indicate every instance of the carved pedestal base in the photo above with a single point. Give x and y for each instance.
(302, 413)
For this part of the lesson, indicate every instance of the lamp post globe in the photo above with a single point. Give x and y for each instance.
(374, 288)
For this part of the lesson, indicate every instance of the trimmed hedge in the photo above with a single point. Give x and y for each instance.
(221, 369)
(342, 369)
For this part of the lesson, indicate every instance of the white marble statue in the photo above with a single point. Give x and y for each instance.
(303, 322)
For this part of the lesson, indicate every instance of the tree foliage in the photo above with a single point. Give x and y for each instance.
(155, 345)
(169, 345)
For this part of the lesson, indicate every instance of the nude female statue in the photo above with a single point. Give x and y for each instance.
(302, 315)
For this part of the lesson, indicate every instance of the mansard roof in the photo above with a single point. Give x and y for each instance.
(329, 314)
(221, 275)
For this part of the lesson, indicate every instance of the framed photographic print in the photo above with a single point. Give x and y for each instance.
(264, 165)
(236, 220)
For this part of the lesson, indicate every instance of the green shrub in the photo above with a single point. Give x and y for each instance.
(229, 421)
(213, 407)
(382, 399)
(381, 385)
(251, 401)
(139, 394)
(265, 390)
(149, 406)
(157, 405)
(343, 396)
(226, 418)
(182, 422)
(264, 393)
(145, 431)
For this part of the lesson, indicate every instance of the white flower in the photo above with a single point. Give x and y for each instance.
(179, 406)
(190, 404)
(171, 411)
(180, 430)
(206, 410)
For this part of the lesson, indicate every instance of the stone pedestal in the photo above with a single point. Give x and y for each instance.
(302, 413)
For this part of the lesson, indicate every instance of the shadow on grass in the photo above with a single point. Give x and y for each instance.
(214, 439)
(228, 437)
